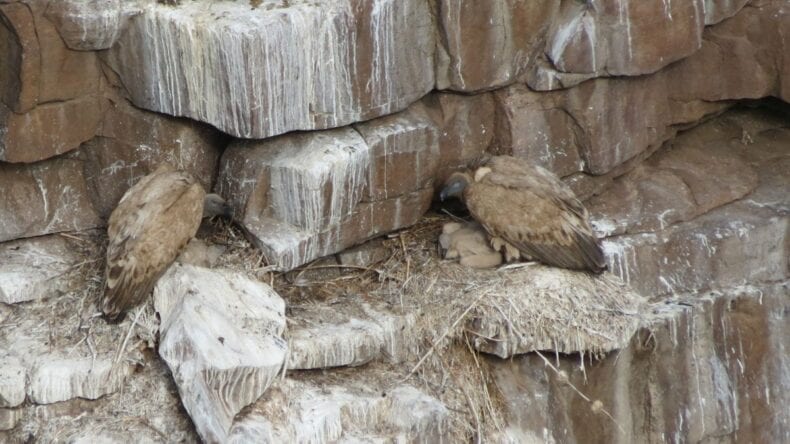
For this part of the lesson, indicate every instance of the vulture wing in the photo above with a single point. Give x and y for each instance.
(152, 224)
(535, 212)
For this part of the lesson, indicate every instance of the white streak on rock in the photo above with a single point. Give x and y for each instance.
(221, 337)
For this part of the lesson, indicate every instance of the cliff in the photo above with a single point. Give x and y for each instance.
(328, 125)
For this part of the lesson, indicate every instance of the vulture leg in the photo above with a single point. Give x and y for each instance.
(511, 253)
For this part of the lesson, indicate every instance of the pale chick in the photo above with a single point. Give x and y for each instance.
(529, 213)
(469, 244)
(153, 222)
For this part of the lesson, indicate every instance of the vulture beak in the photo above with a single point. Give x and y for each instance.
(454, 187)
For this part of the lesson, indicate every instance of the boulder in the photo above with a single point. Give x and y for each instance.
(221, 336)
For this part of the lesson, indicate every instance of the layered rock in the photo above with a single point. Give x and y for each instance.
(50, 100)
(681, 222)
(307, 195)
(36, 268)
(221, 337)
(299, 412)
(275, 69)
(131, 143)
(712, 367)
(45, 197)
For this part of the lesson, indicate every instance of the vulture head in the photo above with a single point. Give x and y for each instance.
(458, 181)
(215, 205)
(455, 185)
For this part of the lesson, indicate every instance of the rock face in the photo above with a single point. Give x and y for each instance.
(681, 221)
(278, 69)
(46, 197)
(725, 347)
(35, 269)
(307, 195)
(221, 337)
(49, 94)
(304, 412)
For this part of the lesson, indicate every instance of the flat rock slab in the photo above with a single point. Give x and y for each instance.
(305, 412)
(36, 268)
(259, 71)
(350, 333)
(221, 336)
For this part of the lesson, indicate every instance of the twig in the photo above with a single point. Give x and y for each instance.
(441, 338)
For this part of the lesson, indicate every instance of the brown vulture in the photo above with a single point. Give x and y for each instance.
(153, 222)
(528, 212)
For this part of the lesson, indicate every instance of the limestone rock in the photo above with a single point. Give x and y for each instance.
(91, 25)
(54, 378)
(544, 308)
(404, 153)
(302, 66)
(300, 412)
(221, 337)
(132, 143)
(45, 197)
(307, 195)
(351, 333)
(12, 383)
(36, 268)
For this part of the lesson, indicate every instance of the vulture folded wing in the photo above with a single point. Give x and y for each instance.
(151, 225)
(540, 226)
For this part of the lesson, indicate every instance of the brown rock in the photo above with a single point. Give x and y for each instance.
(132, 143)
(90, 25)
(677, 184)
(20, 68)
(404, 153)
(532, 126)
(466, 128)
(728, 244)
(48, 129)
(45, 197)
(485, 45)
(49, 94)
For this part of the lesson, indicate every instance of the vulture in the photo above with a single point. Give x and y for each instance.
(151, 225)
(529, 213)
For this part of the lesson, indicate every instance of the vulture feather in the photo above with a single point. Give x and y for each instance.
(153, 222)
(529, 212)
